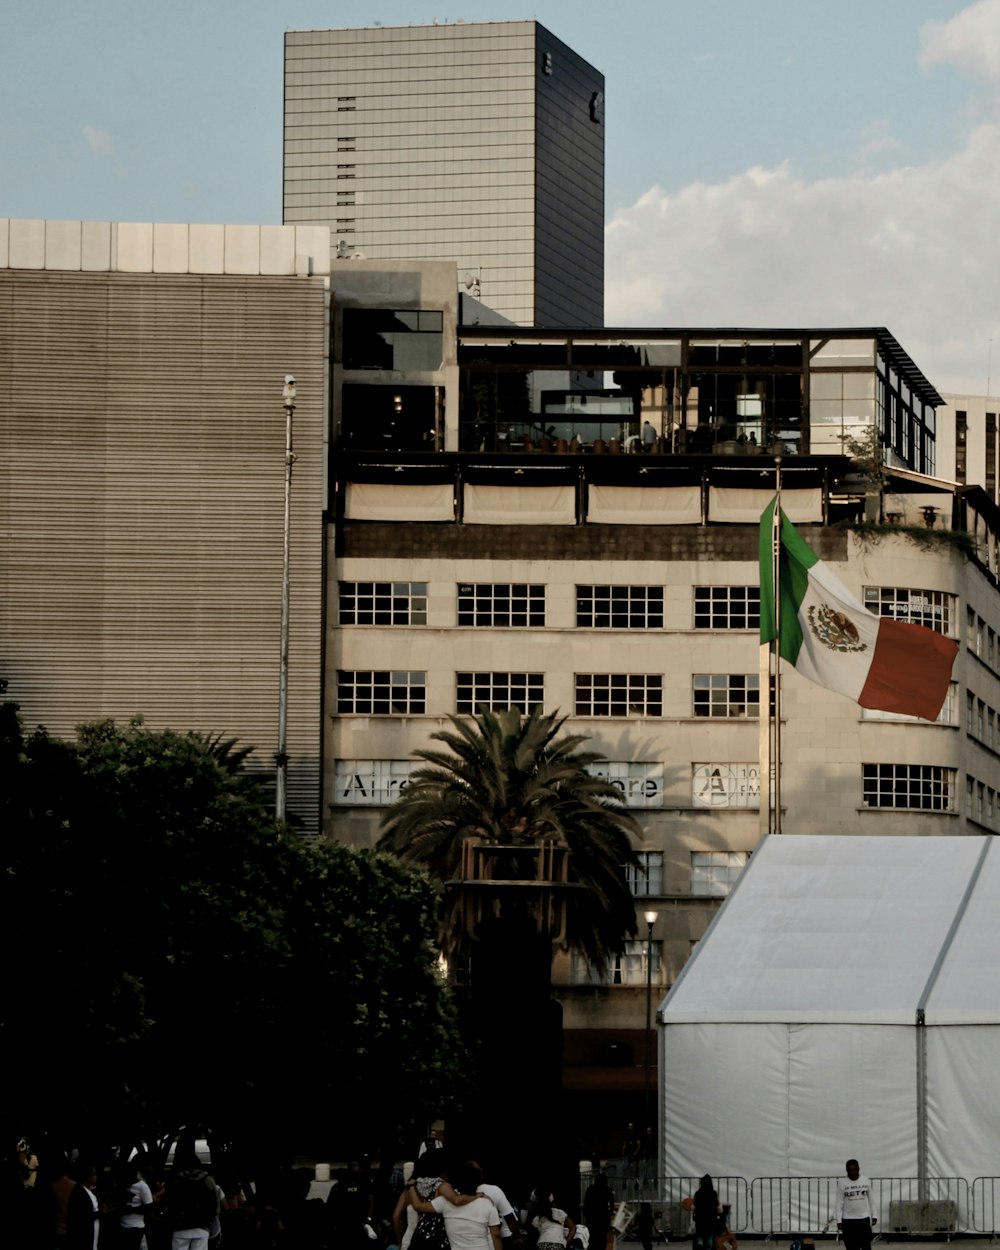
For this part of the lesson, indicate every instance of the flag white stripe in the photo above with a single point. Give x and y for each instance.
(838, 635)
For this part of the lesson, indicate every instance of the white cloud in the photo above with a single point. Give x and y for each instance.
(970, 40)
(914, 249)
(99, 141)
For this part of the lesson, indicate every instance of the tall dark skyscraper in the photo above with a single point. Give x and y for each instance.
(481, 143)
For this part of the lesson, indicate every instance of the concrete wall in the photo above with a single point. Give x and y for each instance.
(142, 443)
(158, 247)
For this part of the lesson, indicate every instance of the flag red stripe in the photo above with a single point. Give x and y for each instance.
(910, 670)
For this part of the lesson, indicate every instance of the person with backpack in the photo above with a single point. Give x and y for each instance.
(191, 1204)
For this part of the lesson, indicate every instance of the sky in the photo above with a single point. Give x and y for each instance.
(768, 162)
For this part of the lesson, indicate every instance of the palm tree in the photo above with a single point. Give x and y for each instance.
(510, 781)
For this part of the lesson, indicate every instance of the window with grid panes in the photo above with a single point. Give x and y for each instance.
(646, 877)
(928, 787)
(932, 608)
(619, 607)
(380, 692)
(714, 873)
(498, 691)
(726, 607)
(619, 694)
(726, 695)
(627, 968)
(496, 604)
(383, 603)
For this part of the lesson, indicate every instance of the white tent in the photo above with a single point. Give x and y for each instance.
(844, 1002)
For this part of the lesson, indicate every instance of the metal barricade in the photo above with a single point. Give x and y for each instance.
(984, 1205)
(792, 1204)
(937, 1205)
(666, 1195)
(772, 1206)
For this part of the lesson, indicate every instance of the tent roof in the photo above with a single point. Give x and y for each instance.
(852, 929)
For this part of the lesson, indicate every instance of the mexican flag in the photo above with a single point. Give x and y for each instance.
(833, 640)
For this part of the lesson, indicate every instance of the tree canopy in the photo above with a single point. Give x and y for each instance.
(512, 779)
(181, 959)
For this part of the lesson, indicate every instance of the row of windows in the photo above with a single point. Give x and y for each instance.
(913, 787)
(522, 604)
(981, 639)
(398, 693)
(497, 604)
(716, 696)
(982, 803)
(982, 721)
(713, 873)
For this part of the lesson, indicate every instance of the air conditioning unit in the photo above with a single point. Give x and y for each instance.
(923, 1217)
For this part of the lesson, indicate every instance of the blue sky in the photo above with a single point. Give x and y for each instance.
(769, 162)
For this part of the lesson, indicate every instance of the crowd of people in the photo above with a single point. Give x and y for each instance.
(434, 1203)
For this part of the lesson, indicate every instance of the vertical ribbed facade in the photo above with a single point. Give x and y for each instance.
(141, 504)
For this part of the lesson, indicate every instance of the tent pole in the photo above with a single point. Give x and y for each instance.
(764, 739)
(776, 583)
(921, 1033)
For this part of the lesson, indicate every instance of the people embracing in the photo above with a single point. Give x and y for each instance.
(471, 1221)
(426, 1182)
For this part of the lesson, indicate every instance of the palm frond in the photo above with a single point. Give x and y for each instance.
(510, 779)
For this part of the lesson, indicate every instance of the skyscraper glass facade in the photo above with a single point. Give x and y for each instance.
(479, 143)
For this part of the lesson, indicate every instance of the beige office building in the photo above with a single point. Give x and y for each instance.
(492, 563)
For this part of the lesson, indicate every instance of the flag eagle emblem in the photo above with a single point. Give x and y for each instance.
(834, 629)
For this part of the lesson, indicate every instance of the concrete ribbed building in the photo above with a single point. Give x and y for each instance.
(142, 443)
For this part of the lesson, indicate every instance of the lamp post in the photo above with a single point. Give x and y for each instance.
(281, 755)
(650, 918)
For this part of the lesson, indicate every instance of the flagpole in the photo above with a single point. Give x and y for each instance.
(764, 733)
(776, 583)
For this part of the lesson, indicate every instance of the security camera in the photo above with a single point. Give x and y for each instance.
(289, 379)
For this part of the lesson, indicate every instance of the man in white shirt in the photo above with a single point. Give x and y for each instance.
(509, 1226)
(855, 1211)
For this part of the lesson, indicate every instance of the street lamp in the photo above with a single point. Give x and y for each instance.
(650, 918)
(281, 755)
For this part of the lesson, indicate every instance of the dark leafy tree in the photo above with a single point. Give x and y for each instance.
(179, 959)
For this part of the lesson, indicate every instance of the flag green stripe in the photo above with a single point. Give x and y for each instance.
(796, 561)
